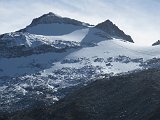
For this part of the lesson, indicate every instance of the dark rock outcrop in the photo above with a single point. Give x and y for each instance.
(111, 29)
(156, 43)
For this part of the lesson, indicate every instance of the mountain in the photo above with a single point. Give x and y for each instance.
(126, 97)
(47, 33)
(156, 43)
(53, 18)
(52, 24)
(49, 58)
(110, 28)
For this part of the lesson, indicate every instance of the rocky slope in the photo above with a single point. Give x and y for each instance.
(126, 97)
(113, 30)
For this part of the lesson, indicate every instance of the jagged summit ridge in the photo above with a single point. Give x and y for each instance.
(110, 28)
(50, 18)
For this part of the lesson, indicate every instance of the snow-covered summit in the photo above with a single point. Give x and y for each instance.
(113, 30)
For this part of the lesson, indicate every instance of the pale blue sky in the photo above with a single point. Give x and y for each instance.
(138, 18)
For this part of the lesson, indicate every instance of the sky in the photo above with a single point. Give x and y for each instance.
(138, 18)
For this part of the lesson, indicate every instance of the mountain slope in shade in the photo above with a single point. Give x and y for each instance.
(113, 30)
(128, 97)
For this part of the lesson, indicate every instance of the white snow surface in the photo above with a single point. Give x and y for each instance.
(78, 58)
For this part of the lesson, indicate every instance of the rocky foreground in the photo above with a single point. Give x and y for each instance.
(126, 97)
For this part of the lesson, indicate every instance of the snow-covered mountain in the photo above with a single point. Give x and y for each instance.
(52, 24)
(43, 61)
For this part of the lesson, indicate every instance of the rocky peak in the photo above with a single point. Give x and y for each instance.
(52, 14)
(110, 28)
(50, 18)
(156, 43)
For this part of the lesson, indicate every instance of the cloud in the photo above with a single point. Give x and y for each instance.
(138, 18)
